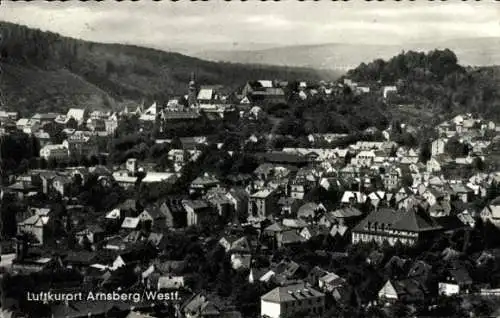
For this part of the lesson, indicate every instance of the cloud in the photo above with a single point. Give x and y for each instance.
(186, 23)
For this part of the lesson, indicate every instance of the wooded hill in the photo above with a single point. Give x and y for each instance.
(44, 71)
(436, 83)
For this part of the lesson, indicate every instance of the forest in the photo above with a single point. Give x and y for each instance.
(436, 83)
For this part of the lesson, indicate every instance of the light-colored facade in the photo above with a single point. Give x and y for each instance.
(293, 299)
(58, 152)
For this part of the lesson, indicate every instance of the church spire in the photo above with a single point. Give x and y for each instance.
(192, 91)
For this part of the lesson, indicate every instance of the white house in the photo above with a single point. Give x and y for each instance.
(437, 146)
(492, 213)
(58, 152)
(287, 300)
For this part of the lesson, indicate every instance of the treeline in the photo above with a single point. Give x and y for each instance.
(16, 151)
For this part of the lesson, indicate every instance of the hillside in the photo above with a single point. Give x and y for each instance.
(341, 56)
(435, 83)
(46, 71)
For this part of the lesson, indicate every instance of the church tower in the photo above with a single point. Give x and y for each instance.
(192, 93)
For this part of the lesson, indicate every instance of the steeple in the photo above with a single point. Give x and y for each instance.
(192, 101)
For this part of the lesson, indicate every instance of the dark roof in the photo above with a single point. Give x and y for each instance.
(461, 275)
(291, 237)
(284, 157)
(451, 222)
(180, 115)
(80, 257)
(413, 220)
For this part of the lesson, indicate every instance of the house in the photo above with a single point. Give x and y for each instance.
(310, 210)
(491, 212)
(292, 299)
(131, 223)
(353, 197)
(432, 196)
(22, 189)
(314, 275)
(461, 192)
(388, 91)
(441, 208)
(263, 203)
(77, 114)
(239, 200)
(198, 212)
(57, 152)
(170, 282)
(79, 144)
(405, 290)
(124, 179)
(241, 261)
(158, 177)
(217, 198)
(437, 146)
(330, 281)
(203, 183)
(289, 206)
(364, 158)
(61, 184)
(456, 281)
(39, 225)
(198, 306)
(289, 237)
(43, 138)
(392, 178)
(406, 227)
(92, 234)
(433, 165)
(235, 244)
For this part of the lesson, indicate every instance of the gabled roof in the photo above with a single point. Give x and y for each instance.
(291, 293)
(77, 113)
(196, 204)
(130, 223)
(415, 221)
(346, 212)
(275, 227)
(291, 237)
(412, 221)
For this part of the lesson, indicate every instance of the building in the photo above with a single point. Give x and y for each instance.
(456, 281)
(491, 213)
(198, 211)
(406, 227)
(38, 225)
(263, 203)
(392, 178)
(58, 152)
(292, 299)
(437, 146)
(78, 114)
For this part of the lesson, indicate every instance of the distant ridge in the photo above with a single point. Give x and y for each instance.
(339, 56)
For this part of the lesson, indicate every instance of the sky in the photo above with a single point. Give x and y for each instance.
(218, 24)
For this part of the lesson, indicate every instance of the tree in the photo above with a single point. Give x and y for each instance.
(455, 148)
(72, 123)
(425, 151)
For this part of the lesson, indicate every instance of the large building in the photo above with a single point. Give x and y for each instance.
(406, 227)
(58, 152)
(293, 299)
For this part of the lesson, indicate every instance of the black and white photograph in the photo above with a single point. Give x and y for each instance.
(249, 159)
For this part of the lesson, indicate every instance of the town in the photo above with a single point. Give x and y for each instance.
(203, 196)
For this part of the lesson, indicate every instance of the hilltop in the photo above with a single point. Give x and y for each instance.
(44, 71)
